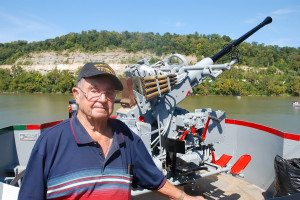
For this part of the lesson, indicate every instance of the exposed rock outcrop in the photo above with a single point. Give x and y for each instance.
(47, 61)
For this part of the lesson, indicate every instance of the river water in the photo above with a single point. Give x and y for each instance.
(275, 112)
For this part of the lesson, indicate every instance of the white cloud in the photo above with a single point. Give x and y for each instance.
(273, 14)
(25, 27)
(179, 24)
(283, 11)
(23, 23)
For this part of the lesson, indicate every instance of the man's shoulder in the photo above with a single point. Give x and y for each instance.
(55, 131)
(62, 125)
(122, 128)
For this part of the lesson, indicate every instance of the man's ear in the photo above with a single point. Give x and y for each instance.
(76, 94)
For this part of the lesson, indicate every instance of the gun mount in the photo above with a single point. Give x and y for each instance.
(179, 141)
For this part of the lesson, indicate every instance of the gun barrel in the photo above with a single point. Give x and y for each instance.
(228, 48)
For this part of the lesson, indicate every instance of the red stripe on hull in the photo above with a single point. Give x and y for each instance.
(273, 131)
(41, 126)
(34, 127)
(50, 124)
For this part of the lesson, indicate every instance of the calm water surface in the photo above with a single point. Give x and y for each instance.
(32, 108)
(275, 112)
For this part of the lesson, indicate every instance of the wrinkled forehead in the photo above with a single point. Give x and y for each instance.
(99, 82)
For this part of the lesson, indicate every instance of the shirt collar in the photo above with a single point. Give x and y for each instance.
(82, 137)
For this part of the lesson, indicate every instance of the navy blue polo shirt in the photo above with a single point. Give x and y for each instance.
(66, 163)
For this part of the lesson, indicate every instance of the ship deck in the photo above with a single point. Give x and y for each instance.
(221, 186)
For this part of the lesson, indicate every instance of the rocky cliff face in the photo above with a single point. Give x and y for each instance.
(47, 61)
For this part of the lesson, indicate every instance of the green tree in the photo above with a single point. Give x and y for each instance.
(295, 87)
(65, 81)
(50, 83)
(5, 79)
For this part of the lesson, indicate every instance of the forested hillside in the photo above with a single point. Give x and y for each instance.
(274, 70)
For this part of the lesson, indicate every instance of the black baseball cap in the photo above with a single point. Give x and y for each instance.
(100, 69)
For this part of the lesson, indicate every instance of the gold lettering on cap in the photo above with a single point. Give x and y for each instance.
(104, 68)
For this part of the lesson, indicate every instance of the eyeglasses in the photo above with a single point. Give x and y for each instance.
(94, 94)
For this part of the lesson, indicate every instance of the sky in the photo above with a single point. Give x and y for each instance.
(38, 20)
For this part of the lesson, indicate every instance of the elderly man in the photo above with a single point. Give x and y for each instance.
(92, 156)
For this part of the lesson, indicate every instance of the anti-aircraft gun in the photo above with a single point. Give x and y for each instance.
(180, 142)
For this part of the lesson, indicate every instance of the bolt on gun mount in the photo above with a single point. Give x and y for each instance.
(179, 141)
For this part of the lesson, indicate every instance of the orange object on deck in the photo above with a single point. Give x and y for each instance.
(242, 162)
(222, 162)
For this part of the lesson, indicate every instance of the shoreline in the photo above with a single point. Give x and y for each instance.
(282, 95)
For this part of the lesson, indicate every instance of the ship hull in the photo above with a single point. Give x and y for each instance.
(236, 138)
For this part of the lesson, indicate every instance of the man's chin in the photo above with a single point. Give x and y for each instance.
(100, 115)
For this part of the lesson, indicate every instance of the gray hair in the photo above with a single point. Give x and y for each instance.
(80, 83)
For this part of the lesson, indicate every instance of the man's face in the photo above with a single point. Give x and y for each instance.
(103, 107)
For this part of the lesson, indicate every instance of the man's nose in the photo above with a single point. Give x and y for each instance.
(102, 97)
